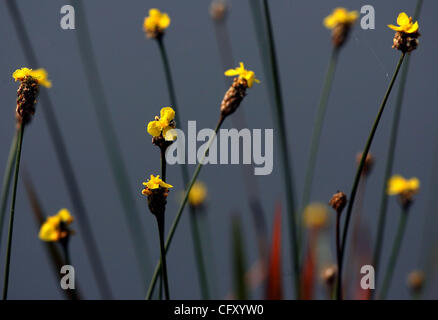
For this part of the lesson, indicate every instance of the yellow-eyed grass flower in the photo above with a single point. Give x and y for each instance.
(233, 97)
(30, 81)
(28, 91)
(404, 188)
(198, 194)
(406, 36)
(156, 191)
(315, 216)
(56, 229)
(155, 24)
(161, 128)
(340, 21)
(338, 203)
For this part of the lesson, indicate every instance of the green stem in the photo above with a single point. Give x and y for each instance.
(361, 165)
(390, 158)
(199, 255)
(7, 181)
(66, 251)
(317, 128)
(185, 173)
(282, 134)
(395, 252)
(181, 209)
(160, 222)
(12, 212)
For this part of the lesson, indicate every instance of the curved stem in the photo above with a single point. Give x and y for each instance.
(286, 161)
(361, 165)
(181, 209)
(394, 253)
(317, 128)
(390, 158)
(7, 181)
(12, 212)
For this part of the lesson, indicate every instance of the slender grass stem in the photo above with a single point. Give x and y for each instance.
(338, 250)
(160, 222)
(63, 158)
(7, 181)
(390, 157)
(286, 161)
(185, 175)
(20, 134)
(181, 209)
(394, 252)
(65, 249)
(199, 256)
(361, 165)
(111, 142)
(317, 128)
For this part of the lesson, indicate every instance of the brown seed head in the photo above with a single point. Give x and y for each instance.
(218, 10)
(157, 200)
(340, 34)
(369, 163)
(26, 99)
(234, 96)
(416, 281)
(405, 42)
(338, 201)
(329, 274)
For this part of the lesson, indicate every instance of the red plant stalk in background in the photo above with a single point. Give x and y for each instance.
(308, 272)
(274, 289)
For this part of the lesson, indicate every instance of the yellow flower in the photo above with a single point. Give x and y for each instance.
(39, 75)
(197, 194)
(398, 185)
(248, 75)
(340, 16)
(315, 215)
(157, 21)
(163, 125)
(405, 24)
(55, 227)
(155, 183)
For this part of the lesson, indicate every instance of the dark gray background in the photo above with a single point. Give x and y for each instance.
(135, 87)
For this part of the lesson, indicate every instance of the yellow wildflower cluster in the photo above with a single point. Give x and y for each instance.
(39, 75)
(163, 125)
(240, 71)
(197, 194)
(405, 24)
(397, 185)
(340, 16)
(154, 183)
(155, 24)
(315, 216)
(55, 227)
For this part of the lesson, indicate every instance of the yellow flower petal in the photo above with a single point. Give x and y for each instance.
(165, 185)
(65, 216)
(167, 114)
(403, 19)
(169, 134)
(231, 73)
(164, 21)
(154, 128)
(395, 28)
(396, 185)
(413, 28)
